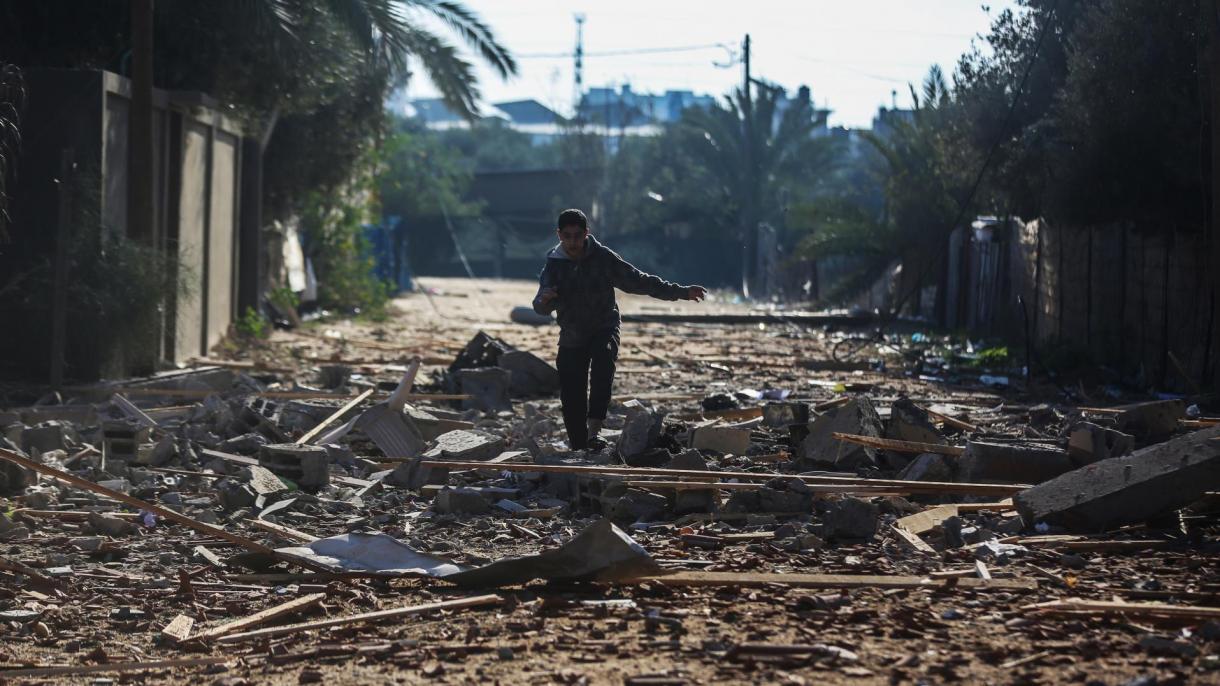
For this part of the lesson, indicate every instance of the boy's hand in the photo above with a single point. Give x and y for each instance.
(548, 294)
(696, 293)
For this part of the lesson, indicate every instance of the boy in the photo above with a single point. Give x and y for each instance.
(579, 281)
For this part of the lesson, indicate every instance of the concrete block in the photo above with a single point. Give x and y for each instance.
(44, 437)
(785, 414)
(1088, 443)
(909, 422)
(488, 388)
(637, 505)
(819, 448)
(851, 518)
(466, 445)
(306, 465)
(1127, 490)
(928, 467)
(721, 439)
(641, 429)
(460, 501)
(1152, 420)
(530, 374)
(1016, 463)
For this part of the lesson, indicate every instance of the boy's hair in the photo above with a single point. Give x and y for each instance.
(572, 217)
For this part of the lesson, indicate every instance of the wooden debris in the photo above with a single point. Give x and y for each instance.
(162, 512)
(291, 607)
(282, 531)
(832, 581)
(913, 486)
(899, 446)
(366, 617)
(1101, 607)
(911, 539)
(119, 667)
(178, 629)
(313, 433)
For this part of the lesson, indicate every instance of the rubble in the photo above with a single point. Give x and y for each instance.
(257, 524)
(1124, 490)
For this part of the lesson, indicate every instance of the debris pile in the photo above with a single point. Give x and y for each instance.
(243, 524)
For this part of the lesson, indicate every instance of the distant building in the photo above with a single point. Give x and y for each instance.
(886, 119)
(636, 113)
(531, 117)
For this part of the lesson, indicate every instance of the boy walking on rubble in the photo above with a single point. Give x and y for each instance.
(579, 281)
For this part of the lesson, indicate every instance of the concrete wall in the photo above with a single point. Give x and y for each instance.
(197, 200)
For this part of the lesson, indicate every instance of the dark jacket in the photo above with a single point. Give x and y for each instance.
(586, 290)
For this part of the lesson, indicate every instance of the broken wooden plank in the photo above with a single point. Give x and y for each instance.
(950, 420)
(128, 408)
(282, 531)
(923, 522)
(899, 446)
(178, 629)
(164, 513)
(685, 578)
(912, 540)
(283, 609)
(120, 667)
(1102, 607)
(735, 413)
(754, 486)
(913, 486)
(334, 417)
(365, 617)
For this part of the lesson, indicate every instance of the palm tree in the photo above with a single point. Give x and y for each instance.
(920, 187)
(758, 150)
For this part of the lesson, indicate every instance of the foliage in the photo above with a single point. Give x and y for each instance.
(252, 325)
(283, 298)
(490, 145)
(333, 238)
(314, 74)
(420, 175)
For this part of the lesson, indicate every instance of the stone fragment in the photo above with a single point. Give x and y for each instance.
(928, 467)
(722, 439)
(264, 482)
(460, 501)
(470, 445)
(308, 466)
(641, 429)
(1089, 443)
(245, 444)
(44, 437)
(234, 496)
(637, 505)
(851, 518)
(985, 462)
(909, 422)
(785, 414)
(1152, 420)
(820, 448)
(1126, 490)
(110, 526)
(531, 375)
(487, 387)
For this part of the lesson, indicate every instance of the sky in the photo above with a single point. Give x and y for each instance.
(851, 53)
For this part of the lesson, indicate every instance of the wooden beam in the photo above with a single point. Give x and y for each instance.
(292, 606)
(366, 617)
(317, 430)
(1102, 607)
(122, 667)
(951, 421)
(912, 540)
(754, 486)
(165, 513)
(739, 579)
(282, 531)
(1002, 490)
(898, 446)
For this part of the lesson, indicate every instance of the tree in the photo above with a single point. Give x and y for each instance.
(758, 170)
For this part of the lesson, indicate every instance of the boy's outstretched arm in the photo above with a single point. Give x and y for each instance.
(631, 280)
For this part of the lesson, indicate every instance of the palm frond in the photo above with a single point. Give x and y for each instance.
(473, 31)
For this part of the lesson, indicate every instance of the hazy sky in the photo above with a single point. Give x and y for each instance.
(851, 53)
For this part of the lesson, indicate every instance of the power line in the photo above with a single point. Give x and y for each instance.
(616, 53)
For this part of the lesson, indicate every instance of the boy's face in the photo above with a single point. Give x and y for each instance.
(572, 238)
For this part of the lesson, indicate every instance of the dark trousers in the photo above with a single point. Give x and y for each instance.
(585, 375)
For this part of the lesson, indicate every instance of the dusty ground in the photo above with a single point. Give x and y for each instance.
(647, 633)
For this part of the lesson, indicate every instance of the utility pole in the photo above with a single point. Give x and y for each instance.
(749, 223)
(579, 54)
(140, 213)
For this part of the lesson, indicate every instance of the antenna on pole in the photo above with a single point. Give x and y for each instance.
(579, 55)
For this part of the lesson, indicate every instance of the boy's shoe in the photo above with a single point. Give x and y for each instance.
(596, 444)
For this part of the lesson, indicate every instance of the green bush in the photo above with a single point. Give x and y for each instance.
(253, 325)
